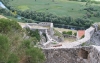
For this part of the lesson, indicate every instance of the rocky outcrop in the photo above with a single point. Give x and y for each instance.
(58, 39)
(95, 39)
(89, 54)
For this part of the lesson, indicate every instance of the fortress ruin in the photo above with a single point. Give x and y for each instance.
(74, 52)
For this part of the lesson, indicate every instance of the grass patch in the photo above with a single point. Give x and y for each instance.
(58, 7)
(23, 7)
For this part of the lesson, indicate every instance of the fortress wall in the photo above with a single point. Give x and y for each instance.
(73, 55)
(32, 24)
(88, 33)
(45, 24)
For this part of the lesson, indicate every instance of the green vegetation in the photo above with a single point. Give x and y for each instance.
(83, 44)
(68, 33)
(15, 47)
(86, 44)
(33, 33)
(75, 34)
(4, 46)
(57, 33)
(82, 37)
(9, 25)
(58, 7)
(62, 13)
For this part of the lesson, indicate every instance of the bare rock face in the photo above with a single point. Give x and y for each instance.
(95, 39)
(89, 54)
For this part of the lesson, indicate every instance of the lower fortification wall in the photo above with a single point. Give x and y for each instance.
(89, 54)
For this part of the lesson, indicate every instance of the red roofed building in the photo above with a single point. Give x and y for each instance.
(80, 33)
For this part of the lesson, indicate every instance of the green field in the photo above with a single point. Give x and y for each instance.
(58, 7)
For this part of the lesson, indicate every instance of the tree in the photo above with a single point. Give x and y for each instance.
(14, 48)
(88, 3)
(33, 33)
(32, 54)
(7, 25)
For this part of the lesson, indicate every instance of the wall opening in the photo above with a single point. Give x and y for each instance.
(83, 54)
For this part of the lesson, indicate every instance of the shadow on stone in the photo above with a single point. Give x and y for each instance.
(83, 54)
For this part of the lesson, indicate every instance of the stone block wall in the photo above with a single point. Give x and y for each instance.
(72, 55)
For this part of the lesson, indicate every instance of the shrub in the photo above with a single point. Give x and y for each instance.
(33, 33)
(7, 25)
(4, 47)
(75, 33)
(68, 33)
(37, 57)
(83, 44)
(64, 32)
(31, 54)
(13, 58)
(26, 44)
(82, 37)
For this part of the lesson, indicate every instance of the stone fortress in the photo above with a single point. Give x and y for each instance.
(86, 50)
(42, 27)
(75, 52)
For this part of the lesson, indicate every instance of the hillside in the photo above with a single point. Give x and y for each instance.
(15, 47)
(58, 7)
(63, 13)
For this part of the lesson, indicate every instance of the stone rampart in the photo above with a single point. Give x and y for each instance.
(44, 24)
(90, 54)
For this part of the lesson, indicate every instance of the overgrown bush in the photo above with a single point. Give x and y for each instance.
(37, 57)
(33, 33)
(4, 48)
(68, 33)
(82, 37)
(75, 33)
(32, 54)
(14, 48)
(64, 32)
(13, 58)
(7, 25)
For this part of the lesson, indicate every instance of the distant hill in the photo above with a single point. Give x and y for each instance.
(63, 13)
(58, 7)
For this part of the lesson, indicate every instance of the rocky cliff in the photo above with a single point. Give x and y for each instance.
(95, 39)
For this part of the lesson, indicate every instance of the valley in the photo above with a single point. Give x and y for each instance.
(49, 31)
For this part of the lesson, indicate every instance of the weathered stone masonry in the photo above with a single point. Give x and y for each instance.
(89, 54)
